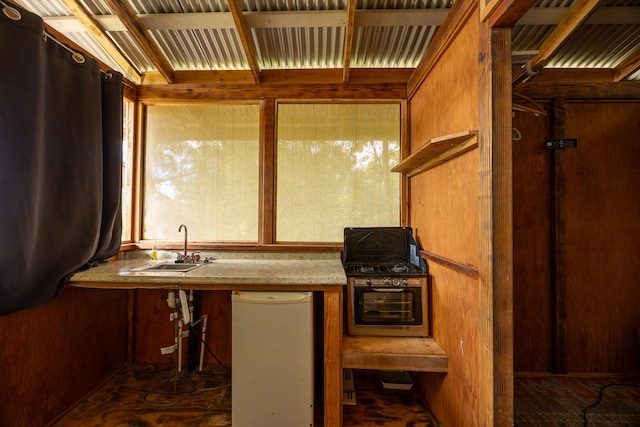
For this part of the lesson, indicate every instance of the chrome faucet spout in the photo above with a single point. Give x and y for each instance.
(185, 238)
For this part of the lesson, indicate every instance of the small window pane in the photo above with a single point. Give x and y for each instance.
(334, 169)
(201, 169)
(127, 169)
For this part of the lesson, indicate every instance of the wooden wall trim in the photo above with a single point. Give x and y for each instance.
(495, 312)
(239, 92)
(464, 269)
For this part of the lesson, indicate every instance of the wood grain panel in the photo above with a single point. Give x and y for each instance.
(55, 354)
(153, 330)
(531, 245)
(445, 210)
(444, 214)
(495, 328)
(454, 396)
(603, 237)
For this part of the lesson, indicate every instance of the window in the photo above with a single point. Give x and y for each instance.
(127, 169)
(334, 169)
(202, 170)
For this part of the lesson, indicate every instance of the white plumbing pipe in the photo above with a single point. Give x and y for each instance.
(204, 318)
(171, 299)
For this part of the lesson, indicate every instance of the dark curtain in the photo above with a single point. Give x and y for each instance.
(60, 162)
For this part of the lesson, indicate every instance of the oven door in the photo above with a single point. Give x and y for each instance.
(387, 305)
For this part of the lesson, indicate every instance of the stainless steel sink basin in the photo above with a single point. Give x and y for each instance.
(166, 267)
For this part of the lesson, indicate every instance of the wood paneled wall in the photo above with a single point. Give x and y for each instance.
(53, 355)
(531, 244)
(444, 215)
(153, 329)
(601, 229)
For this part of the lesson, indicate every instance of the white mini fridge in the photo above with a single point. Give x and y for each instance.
(272, 359)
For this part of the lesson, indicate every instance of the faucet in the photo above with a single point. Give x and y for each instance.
(185, 239)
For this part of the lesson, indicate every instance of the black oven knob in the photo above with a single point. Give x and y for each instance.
(385, 281)
(368, 282)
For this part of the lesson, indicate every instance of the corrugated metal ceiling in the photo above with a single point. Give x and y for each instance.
(201, 35)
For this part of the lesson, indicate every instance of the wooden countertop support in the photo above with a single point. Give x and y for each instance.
(393, 354)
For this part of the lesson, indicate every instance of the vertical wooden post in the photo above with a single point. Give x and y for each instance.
(495, 328)
(266, 227)
(558, 244)
(333, 357)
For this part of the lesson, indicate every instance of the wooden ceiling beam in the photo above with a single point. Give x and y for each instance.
(101, 37)
(142, 37)
(508, 12)
(252, 92)
(629, 66)
(309, 76)
(348, 39)
(579, 13)
(244, 32)
(570, 91)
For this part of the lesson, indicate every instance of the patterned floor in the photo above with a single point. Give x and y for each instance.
(563, 401)
(148, 396)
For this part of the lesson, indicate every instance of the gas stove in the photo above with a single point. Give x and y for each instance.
(379, 252)
(387, 285)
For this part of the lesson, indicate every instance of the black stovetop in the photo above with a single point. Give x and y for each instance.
(382, 251)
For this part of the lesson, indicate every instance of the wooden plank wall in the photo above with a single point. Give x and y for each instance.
(53, 355)
(444, 214)
(531, 244)
(154, 330)
(602, 238)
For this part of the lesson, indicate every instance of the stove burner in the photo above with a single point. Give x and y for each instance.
(382, 269)
(400, 269)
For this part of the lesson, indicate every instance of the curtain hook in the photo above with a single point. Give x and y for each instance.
(78, 57)
(11, 13)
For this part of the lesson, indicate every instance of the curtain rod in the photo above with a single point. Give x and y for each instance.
(15, 15)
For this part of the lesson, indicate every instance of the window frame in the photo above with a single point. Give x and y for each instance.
(267, 176)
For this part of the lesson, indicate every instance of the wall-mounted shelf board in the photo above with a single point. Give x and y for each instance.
(437, 151)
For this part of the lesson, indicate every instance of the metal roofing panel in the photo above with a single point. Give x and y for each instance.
(386, 34)
(292, 5)
(299, 48)
(178, 6)
(390, 47)
(131, 50)
(604, 48)
(403, 4)
(202, 49)
(46, 7)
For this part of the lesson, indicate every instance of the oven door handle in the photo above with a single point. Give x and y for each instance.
(388, 289)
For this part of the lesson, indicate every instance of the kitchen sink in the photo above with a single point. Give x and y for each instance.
(167, 267)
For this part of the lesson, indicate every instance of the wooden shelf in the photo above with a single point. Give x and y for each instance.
(393, 354)
(437, 151)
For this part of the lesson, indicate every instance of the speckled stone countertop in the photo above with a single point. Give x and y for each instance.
(228, 270)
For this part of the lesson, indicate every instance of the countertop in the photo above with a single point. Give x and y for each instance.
(227, 270)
